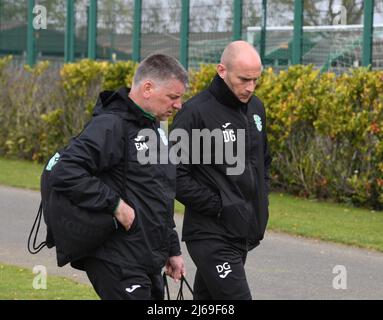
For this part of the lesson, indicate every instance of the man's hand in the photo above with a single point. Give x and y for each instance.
(175, 267)
(125, 214)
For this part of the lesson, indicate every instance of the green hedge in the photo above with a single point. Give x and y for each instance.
(41, 108)
(325, 131)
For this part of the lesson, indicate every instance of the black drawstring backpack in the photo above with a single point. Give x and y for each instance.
(74, 231)
(180, 294)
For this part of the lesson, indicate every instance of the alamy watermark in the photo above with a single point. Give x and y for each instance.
(40, 280)
(339, 282)
(224, 146)
(341, 15)
(40, 20)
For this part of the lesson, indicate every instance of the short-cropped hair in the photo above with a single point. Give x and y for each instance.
(160, 67)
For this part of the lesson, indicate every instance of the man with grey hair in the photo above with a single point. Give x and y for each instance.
(226, 215)
(99, 171)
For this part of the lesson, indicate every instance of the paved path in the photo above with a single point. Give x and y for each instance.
(283, 267)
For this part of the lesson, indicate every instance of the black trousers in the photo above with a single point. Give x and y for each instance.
(220, 271)
(111, 282)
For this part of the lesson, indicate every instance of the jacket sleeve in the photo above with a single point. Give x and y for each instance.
(189, 191)
(175, 248)
(267, 164)
(174, 242)
(97, 149)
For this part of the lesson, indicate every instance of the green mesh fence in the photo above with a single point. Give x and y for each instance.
(114, 30)
(278, 45)
(377, 49)
(329, 48)
(50, 41)
(160, 27)
(210, 29)
(332, 37)
(251, 14)
(81, 30)
(13, 29)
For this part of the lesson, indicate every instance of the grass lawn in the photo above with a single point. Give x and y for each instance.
(22, 174)
(327, 221)
(17, 284)
(321, 220)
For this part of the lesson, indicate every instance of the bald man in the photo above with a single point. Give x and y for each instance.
(226, 212)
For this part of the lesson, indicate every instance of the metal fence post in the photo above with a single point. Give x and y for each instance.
(136, 52)
(31, 43)
(237, 23)
(368, 32)
(184, 41)
(92, 29)
(262, 45)
(298, 32)
(69, 32)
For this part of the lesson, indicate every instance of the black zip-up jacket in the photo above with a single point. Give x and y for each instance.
(219, 205)
(91, 174)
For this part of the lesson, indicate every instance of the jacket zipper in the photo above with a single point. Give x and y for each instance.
(247, 148)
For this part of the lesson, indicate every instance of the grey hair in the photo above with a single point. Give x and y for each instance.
(160, 67)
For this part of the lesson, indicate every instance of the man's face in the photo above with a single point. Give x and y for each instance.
(166, 98)
(242, 79)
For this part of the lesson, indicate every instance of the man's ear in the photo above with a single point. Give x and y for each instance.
(221, 70)
(147, 88)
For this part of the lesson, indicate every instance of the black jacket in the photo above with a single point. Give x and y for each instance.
(91, 174)
(218, 205)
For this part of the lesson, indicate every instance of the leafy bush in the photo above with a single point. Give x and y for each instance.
(326, 133)
(43, 107)
(200, 79)
(119, 74)
(26, 93)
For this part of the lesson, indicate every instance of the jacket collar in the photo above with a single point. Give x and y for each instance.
(134, 108)
(120, 102)
(224, 95)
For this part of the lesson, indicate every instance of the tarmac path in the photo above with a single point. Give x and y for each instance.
(282, 267)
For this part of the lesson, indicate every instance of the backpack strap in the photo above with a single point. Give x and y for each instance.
(166, 284)
(180, 295)
(33, 248)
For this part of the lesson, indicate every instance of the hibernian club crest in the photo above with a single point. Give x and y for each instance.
(258, 122)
